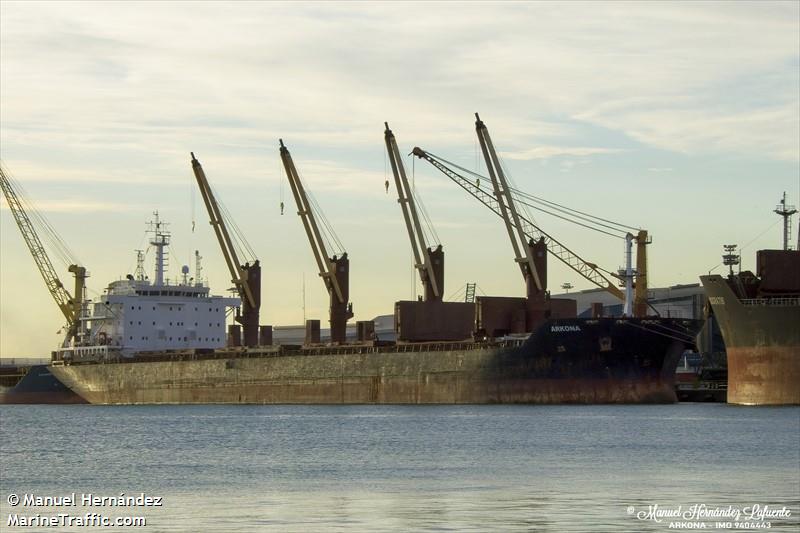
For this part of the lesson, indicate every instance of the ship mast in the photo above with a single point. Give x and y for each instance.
(334, 271)
(429, 262)
(786, 211)
(160, 242)
(245, 277)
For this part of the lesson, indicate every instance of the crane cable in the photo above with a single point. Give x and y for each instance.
(280, 186)
(517, 193)
(573, 221)
(569, 209)
(512, 187)
(57, 245)
(330, 236)
(428, 227)
(458, 293)
(238, 238)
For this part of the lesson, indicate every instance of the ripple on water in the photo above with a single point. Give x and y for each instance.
(389, 468)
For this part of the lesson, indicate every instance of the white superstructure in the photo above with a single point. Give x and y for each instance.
(136, 315)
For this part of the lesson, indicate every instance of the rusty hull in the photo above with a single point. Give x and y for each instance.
(764, 375)
(762, 340)
(451, 377)
(564, 361)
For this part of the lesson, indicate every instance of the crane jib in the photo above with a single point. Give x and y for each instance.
(69, 306)
(558, 250)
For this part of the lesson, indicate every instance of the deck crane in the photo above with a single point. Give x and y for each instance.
(536, 283)
(428, 261)
(245, 277)
(334, 271)
(70, 306)
(526, 237)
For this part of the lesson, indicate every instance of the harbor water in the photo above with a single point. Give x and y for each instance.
(403, 468)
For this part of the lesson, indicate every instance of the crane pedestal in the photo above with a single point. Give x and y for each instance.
(249, 315)
(340, 310)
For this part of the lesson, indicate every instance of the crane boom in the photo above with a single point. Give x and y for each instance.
(70, 307)
(561, 252)
(423, 256)
(508, 210)
(333, 271)
(246, 278)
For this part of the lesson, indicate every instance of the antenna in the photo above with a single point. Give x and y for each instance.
(139, 274)
(160, 241)
(469, 293)
(786, 211)
(198, 269)
(730, 258)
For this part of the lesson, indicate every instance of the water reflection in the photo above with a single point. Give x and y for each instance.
(390, 468)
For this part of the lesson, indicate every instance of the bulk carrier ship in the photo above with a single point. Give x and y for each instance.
(154, 342)
(161, 343)
(759, 317)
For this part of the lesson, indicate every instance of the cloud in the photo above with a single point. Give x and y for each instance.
(693, 130)
(106, 100)
(320, 176)
(81, 207)
(547, 152)
(132, 81)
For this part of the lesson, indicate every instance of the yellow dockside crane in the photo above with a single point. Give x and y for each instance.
(70, 306)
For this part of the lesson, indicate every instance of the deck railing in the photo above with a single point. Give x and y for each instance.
(780, 301)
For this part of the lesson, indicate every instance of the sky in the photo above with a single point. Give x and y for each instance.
(679, 118)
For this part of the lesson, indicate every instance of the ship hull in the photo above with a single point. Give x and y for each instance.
(762, 344)
(567, 361)
(764, 375)
(39, 386)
